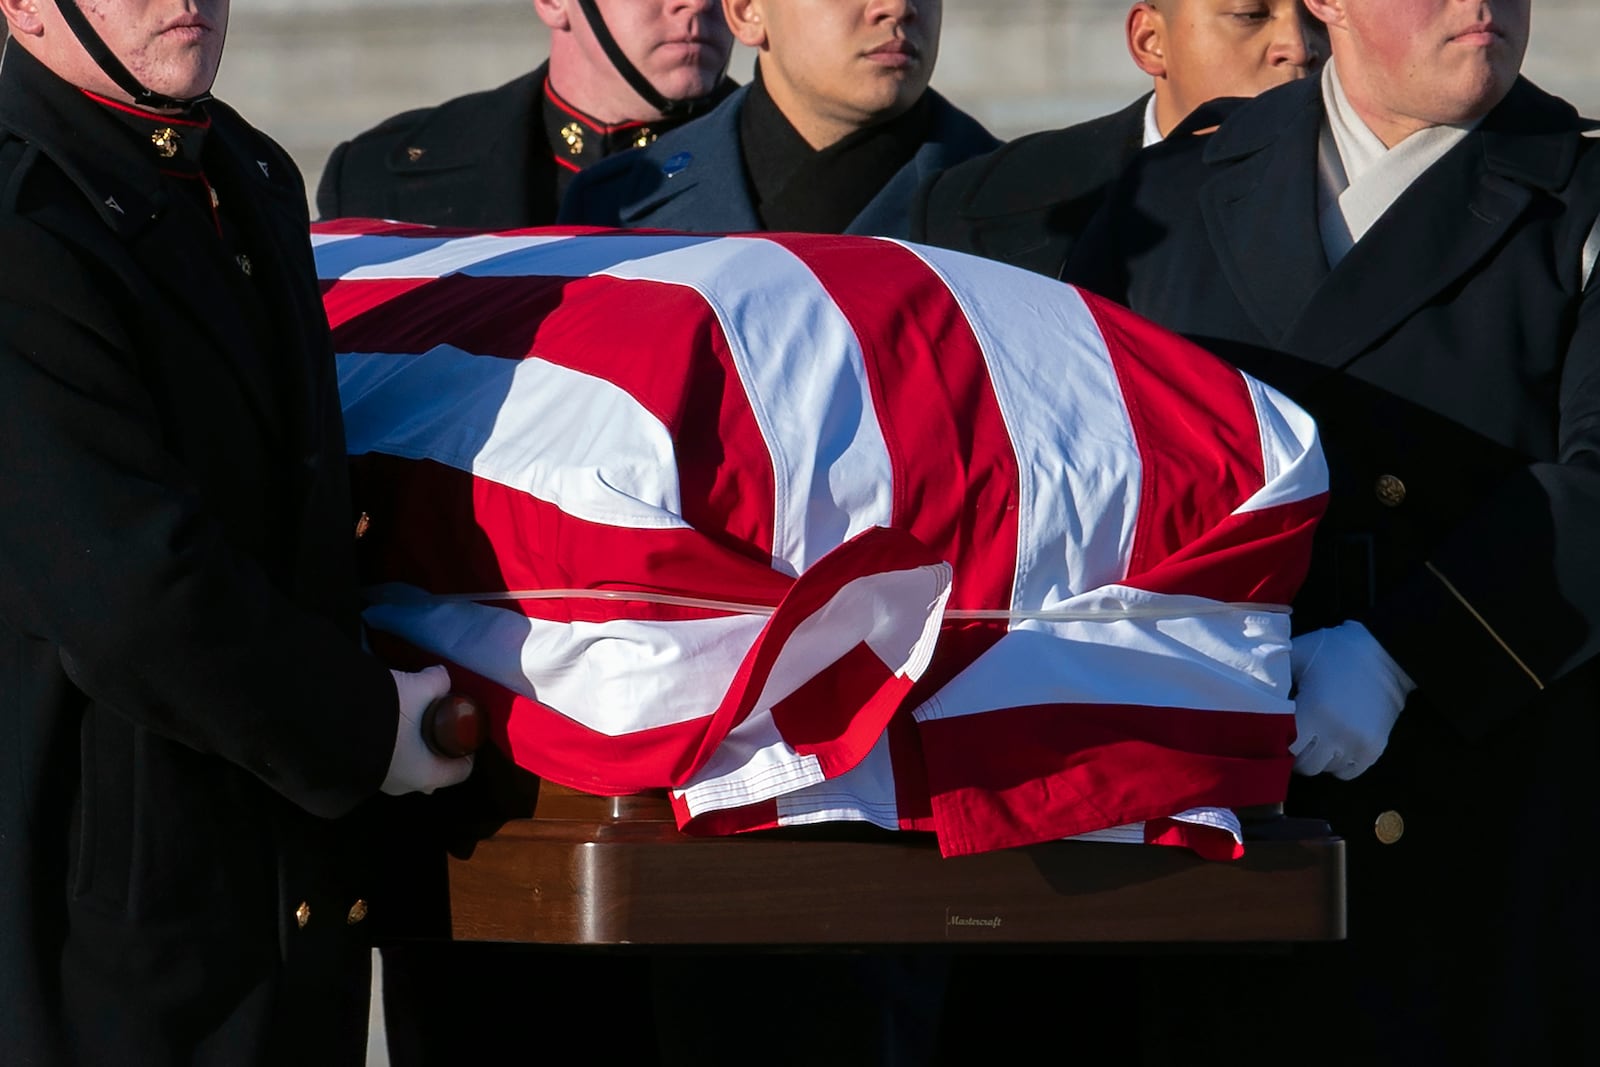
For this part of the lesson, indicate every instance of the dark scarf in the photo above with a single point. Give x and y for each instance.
(797, 188)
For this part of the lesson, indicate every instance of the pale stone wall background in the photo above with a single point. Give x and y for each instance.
(313, 72)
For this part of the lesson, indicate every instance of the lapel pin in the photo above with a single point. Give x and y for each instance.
(265, 173)
(677, 163)
(111, 202)
(414, 153)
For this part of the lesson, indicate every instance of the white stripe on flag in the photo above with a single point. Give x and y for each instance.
(1234, 660)
(1078, 466)
(613, 677)
(1291, 454)
(806, 382)
(563, 436)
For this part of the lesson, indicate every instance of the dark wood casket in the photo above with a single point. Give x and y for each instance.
(589, 870)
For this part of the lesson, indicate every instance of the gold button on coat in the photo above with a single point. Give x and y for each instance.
(302, 914)
(1390, 827)
(363, 524)
(358, 911)
(1391, 491)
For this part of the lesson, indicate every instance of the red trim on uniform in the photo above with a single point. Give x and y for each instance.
(565, 164)
(154, 116)
(589, 120)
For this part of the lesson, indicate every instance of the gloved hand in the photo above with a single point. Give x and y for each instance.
(414, 768)
(1348, 693)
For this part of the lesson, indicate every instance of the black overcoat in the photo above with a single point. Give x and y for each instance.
(1026, 202)
(190, 734)
(478, 160)
(1452, 360)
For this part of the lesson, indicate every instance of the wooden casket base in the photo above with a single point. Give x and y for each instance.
(616, 871)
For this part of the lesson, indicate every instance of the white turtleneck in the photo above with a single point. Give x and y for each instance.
(1358, 178)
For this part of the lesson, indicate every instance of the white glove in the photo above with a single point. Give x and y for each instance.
(1348, 693)
(414, 768)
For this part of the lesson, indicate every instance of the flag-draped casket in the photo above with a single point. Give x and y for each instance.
(810, 528)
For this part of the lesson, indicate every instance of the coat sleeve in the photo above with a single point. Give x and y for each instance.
(1509, 604)
(108, 551)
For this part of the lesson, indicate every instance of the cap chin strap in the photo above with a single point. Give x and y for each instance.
(672, 109)
(103, 57)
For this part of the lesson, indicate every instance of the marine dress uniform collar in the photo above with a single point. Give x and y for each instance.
(176, 141)
(120, 176)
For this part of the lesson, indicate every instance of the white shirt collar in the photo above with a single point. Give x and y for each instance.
(1152, 132)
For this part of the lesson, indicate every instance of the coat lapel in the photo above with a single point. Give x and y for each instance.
(1438, 231)
(1261, 215)
(693, 178)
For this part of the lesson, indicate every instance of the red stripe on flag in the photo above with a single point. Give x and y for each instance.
(678, 367)
(1022, 775)
(1255, 556)
(552, 745)
(761, 816)
(379, 228)
(1195, 425)
(955, 484)
(443, 530)
(346, 301)
(1210, 842)
(839, 714)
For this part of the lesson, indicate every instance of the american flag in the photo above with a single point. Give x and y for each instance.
(816, 528)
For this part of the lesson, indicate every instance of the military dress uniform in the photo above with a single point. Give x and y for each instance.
(744, 167)
(191, 864)
(1452, 361)
(494, 160)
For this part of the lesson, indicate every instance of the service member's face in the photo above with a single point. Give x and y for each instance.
(681, 46)
(171, 46)
(1409, 64)
(1217, 48)
(834, 66)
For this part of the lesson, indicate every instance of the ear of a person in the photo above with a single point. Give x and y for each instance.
(555, 14)
(22, 16)
(745, 19)
(1146, 32)
(1327, 12)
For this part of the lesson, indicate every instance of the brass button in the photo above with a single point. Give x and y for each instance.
(245, 264)
(302, 914)
(358, 911)
(1391, 491)
(1390, 827)
(363, 524)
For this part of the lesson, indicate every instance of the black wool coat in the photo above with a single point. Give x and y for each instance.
(190, 733)
(477, 161)
(1452, 361)
(1026, 202)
